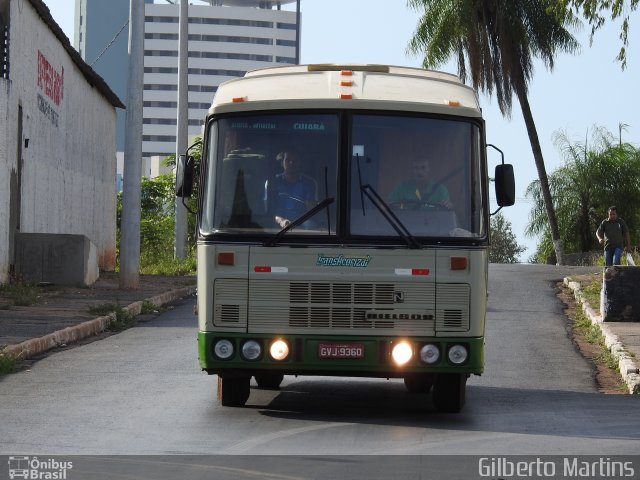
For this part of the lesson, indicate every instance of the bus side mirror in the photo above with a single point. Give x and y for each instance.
(505, 185)
(184, 176)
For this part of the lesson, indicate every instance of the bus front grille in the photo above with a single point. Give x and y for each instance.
(341, 307)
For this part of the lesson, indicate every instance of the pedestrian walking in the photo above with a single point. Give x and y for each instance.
(614, 235)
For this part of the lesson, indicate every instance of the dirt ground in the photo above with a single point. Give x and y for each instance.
(608, 379)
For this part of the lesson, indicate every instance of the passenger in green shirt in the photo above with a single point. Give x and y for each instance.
(613, 233)
(420, 192)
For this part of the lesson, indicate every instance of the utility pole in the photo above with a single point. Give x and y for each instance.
(130, 225)
(180, 231)
(297, 32)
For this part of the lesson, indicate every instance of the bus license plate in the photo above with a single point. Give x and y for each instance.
(341, 350)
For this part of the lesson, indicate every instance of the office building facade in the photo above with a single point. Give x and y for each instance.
(226, 39)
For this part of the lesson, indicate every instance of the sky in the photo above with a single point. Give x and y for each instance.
(584, 90)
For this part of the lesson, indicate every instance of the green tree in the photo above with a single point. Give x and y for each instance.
(157, 218)
(596, 11)
(592, 178)
(495, 41)
(504, 245)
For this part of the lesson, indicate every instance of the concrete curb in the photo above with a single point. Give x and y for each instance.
(626, 363)
(35, 346)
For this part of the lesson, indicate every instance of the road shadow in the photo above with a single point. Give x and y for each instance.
(488, 409)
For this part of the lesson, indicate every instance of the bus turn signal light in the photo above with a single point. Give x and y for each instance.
(226, 258)
(459, 263)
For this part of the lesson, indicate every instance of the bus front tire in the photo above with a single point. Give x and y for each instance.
(449, 392)
(233, 391)
(269, 380)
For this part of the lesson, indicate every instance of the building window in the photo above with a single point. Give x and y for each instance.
(231, 56)
(210, 38)
(160, 70)
(286, 26)
(202, 88)
(4, 38)
(160, 104)
(231, 21)
(152, 86)
(286, 43)
(160, 53)
(159, 138)
(192, 105)
(285, 60)
(211, 21)
(161, 19)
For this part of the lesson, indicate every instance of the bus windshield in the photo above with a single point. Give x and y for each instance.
(265, 171)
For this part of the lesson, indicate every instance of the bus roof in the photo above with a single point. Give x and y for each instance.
(348, 86)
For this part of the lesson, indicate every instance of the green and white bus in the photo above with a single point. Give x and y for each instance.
(366, 268)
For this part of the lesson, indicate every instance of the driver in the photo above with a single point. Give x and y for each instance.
(420, 191)
(290, 193)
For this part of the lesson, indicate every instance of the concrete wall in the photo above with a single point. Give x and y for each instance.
(620, 295)
(69, 166)
(59, 259)
(5, 191)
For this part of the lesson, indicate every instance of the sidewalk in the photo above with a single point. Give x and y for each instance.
(61, 314)
(621, 338)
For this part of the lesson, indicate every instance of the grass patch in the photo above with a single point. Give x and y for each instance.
(590, 286)
(591, 293)
(104, 309)
(7, 363)
(20, 294)
(149, 307)
(592, 334)
(167, 265)
(121, 319)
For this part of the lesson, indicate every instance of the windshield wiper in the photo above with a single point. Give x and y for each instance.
(300, 220)
(389, 216)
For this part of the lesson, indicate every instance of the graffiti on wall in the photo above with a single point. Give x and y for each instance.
(51, 83)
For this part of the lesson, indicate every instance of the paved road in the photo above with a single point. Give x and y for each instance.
(141, 392)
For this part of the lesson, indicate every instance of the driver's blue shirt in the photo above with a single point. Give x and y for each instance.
(291, 198)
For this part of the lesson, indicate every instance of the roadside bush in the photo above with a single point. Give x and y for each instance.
(157, 220)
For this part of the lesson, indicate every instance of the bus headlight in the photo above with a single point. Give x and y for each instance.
(430, 353)
(401, 353)
(251, 350)
(223, 349)
(458, 354)
(279, 350)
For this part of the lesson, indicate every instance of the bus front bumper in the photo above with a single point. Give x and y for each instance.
(386, 357)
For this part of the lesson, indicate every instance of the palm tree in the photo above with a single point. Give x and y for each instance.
(592, 178)
(495, 41)
(594, 12)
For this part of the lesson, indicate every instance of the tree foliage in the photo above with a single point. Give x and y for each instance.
(494, 43)
(593, 177)
(157, 222)
(504, 245)
(192, 202)
(596, 11)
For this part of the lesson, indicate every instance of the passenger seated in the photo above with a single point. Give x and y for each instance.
(291, 193)
(420, 192)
